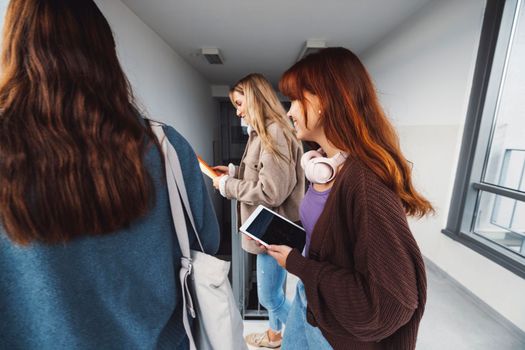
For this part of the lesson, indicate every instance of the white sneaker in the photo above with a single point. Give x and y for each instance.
(262, 340)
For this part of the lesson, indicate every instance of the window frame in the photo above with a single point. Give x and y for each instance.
(496, 34)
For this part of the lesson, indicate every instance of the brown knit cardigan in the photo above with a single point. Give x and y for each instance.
(364, 278)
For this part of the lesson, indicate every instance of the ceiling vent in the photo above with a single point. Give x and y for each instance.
(212, 55)
(311, 46)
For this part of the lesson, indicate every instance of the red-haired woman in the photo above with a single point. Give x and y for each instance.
(362, 278)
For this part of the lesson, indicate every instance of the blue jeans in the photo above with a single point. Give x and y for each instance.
(270, 282)
(299, 334)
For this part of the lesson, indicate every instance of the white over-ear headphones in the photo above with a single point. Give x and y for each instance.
(319, 169)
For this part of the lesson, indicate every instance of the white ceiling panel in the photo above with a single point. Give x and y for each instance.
(266, 36)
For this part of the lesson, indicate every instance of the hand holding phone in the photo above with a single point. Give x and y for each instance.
(206, 169)
(221, 169)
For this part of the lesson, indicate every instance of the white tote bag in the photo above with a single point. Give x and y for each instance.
(206, 290)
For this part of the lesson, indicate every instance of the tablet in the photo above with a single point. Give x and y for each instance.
(268, 227)
(206, 169)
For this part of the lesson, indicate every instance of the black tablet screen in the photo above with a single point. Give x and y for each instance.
(273, 229)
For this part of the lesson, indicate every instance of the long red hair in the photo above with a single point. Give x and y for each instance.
(71, 140)
(353, 119)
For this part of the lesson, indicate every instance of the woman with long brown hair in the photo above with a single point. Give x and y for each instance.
(362, 278)
(88, 254)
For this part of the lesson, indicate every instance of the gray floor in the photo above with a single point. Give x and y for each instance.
(454, 319)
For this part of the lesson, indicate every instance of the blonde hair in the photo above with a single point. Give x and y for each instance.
(262, 105)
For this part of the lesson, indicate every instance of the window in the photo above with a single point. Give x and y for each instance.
(488, 206)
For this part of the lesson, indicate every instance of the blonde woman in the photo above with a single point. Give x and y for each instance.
(269, 174)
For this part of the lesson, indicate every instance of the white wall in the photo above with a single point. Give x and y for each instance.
(423, 72)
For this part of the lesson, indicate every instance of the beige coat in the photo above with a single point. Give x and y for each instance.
(262, 178)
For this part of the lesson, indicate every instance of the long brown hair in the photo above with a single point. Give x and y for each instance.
(353, 119)
(263, 106)
(72, 143)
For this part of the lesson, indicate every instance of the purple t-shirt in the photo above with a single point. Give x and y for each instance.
(311, 208)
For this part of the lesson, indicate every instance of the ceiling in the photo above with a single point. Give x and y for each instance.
(266, 36)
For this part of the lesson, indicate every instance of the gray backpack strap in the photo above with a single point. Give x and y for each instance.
(176, 190)
(174, 172)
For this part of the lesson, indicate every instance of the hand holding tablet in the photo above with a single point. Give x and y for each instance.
(269, 228)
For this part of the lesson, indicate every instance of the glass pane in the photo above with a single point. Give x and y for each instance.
(506, 163)
(501, 220)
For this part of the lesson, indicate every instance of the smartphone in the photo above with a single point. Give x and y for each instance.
(268, 227)
(206, 169)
